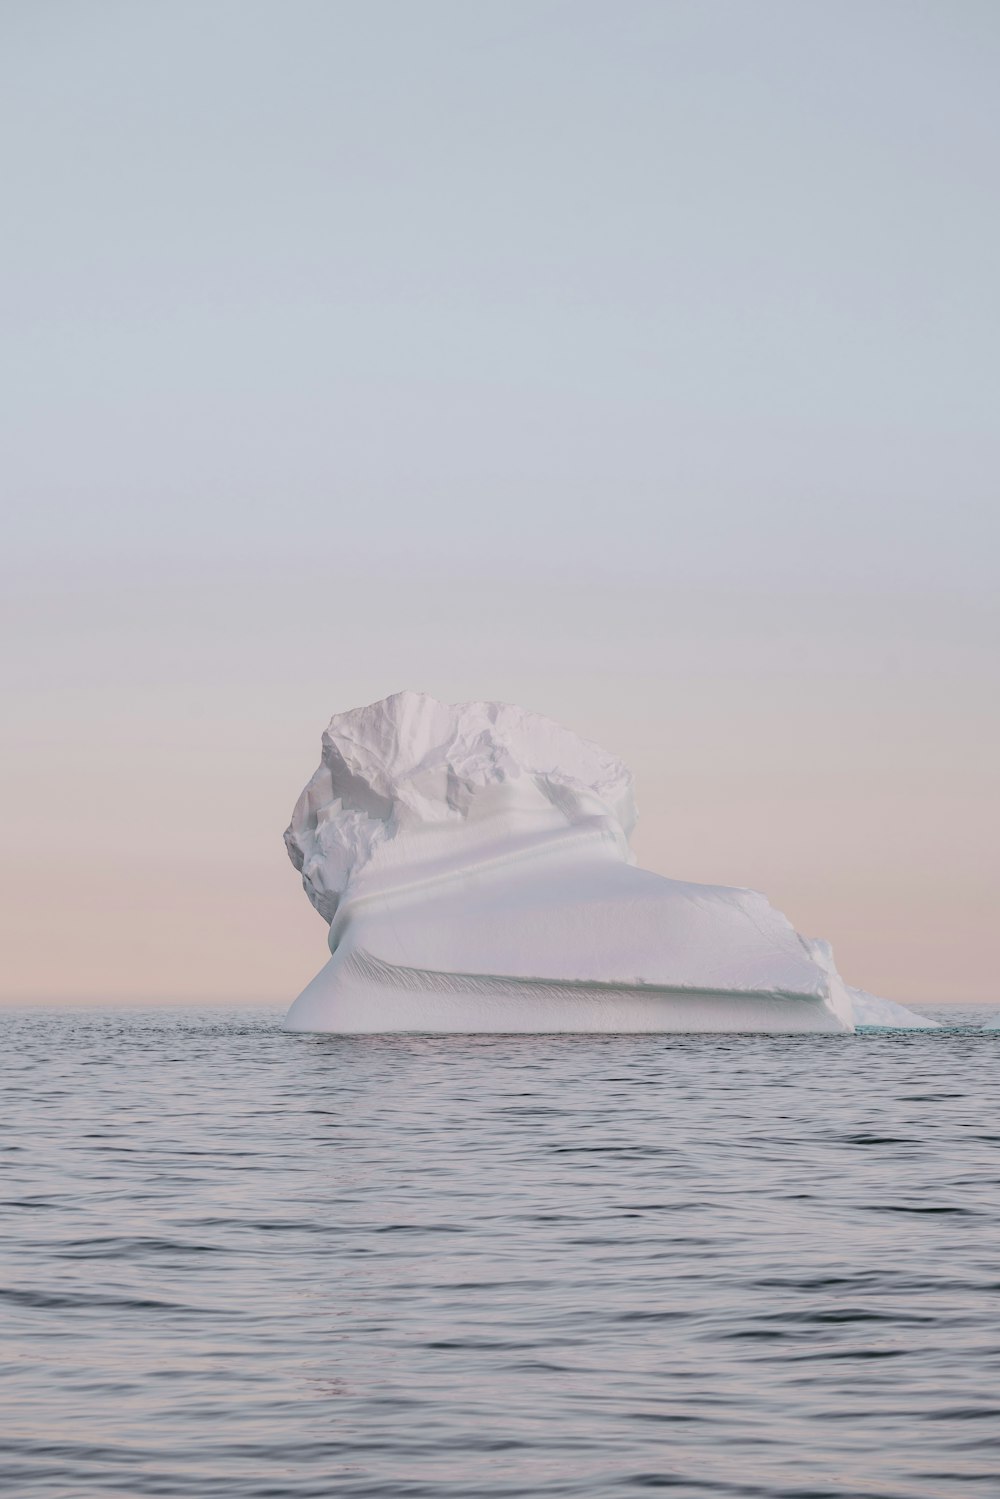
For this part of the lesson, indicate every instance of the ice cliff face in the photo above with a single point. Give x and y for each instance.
(473, 863)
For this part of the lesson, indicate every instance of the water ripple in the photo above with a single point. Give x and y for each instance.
(247, 1265)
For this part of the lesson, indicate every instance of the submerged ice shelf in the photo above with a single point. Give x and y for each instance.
(473, 862)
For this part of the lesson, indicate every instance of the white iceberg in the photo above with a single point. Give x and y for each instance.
(473, 862)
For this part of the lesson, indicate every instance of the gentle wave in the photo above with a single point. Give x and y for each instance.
(245, 1264)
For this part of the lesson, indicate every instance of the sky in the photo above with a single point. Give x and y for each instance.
(635, 361)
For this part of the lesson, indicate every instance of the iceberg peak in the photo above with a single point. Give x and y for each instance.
(414, 783)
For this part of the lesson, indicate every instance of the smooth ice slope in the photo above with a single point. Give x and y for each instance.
(869, 1010)
(473, 863)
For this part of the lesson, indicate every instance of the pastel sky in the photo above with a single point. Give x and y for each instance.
(635, 361)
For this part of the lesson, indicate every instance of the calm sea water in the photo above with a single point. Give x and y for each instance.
(240, 1264)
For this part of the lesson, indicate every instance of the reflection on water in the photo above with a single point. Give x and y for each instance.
(240, 1263)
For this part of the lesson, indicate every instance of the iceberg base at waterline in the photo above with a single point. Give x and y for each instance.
(473, 863)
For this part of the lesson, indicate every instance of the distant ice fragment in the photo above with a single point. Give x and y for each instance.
(473, 862)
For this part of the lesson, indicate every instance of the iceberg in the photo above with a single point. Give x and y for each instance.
(473, 863)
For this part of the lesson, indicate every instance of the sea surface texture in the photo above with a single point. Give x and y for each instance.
(244, 1264)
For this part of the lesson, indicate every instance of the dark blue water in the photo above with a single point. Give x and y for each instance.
(240, 1263)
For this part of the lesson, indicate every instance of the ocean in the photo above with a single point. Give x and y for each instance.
(243, 1264)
